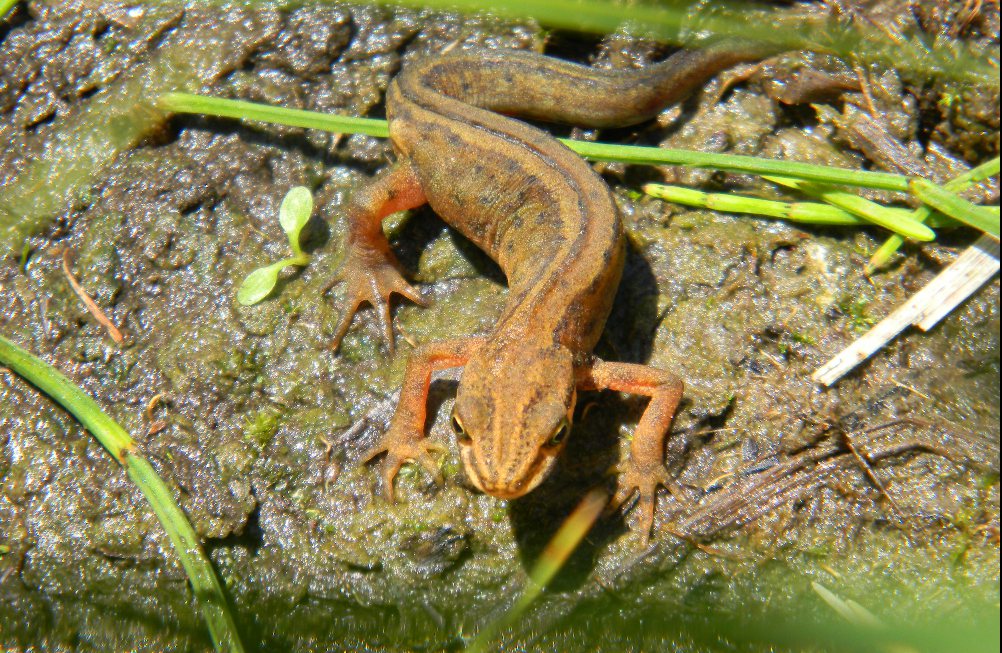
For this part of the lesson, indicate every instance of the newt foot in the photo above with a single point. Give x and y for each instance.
(401, 448)
(642, 479)
(371, 276)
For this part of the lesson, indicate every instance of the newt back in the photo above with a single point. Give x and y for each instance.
(551, 224)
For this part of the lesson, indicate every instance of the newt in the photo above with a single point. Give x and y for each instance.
(550, 222)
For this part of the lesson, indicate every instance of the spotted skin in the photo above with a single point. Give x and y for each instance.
(551, 224)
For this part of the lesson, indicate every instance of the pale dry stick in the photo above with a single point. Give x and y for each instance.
(905, 386)
(974, 267)
(983, 260)
(92, 307)
(864, 87)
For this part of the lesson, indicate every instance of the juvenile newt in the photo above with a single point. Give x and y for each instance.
(550, 223)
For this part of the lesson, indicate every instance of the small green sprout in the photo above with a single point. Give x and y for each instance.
(297, 205)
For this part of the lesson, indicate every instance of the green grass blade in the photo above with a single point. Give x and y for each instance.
(973, 176)
(794, 211)
(188, 103)
(6, 6)
(204, 582)
(738, 163)
(803, 212)
(551, 560)
(243, 110)
(47, 379)
(955, 206)
(922, 213)
(898, 222)
(672, 22)
(849, 610)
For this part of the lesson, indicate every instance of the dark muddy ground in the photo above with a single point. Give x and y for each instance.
(165, 216)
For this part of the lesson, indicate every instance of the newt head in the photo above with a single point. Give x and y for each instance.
(513, 415)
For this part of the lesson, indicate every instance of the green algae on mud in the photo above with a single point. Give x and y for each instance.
(258, 409)
(117, 118)
(205, 583)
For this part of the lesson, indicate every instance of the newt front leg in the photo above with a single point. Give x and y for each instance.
(370, 271)
(404, 440)
(644, 471)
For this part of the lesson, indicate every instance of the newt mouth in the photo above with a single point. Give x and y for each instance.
(505, 488)
(513, 489)
(508, 493)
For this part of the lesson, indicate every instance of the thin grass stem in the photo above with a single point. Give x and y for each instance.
(6, 6)
(243, 110)
(922, 213)
(204, 582)
(240, 109)
(900, 222)
(955, 206)
(551, 560)
(802, 212)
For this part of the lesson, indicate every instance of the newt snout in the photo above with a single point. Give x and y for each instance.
(498, 399)
(552, 225)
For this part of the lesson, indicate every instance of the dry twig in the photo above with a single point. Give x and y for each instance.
(92, 307)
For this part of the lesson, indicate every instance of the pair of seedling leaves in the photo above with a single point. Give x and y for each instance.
(293, 214)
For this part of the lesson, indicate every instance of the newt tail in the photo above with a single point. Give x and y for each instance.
(551, 224)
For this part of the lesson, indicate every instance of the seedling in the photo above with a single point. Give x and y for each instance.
(297, 205)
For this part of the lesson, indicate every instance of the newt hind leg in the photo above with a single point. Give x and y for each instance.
(370, 270)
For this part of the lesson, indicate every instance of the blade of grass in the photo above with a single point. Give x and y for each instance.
(240, 109)
(922, 213)
(898, 222)
(120, 444)
(738, 163)
(804, 212)
(672, 22)
(6, 6)
(553, 557)
(849, 610)
(243, 110)
(956, 207)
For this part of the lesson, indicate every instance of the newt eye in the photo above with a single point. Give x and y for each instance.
(560, 433)
(457, 426)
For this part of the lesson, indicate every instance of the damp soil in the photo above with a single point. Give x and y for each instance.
(883, 489)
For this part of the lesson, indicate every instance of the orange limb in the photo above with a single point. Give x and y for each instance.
(404, 441)
(370, 270)
(644, 471)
